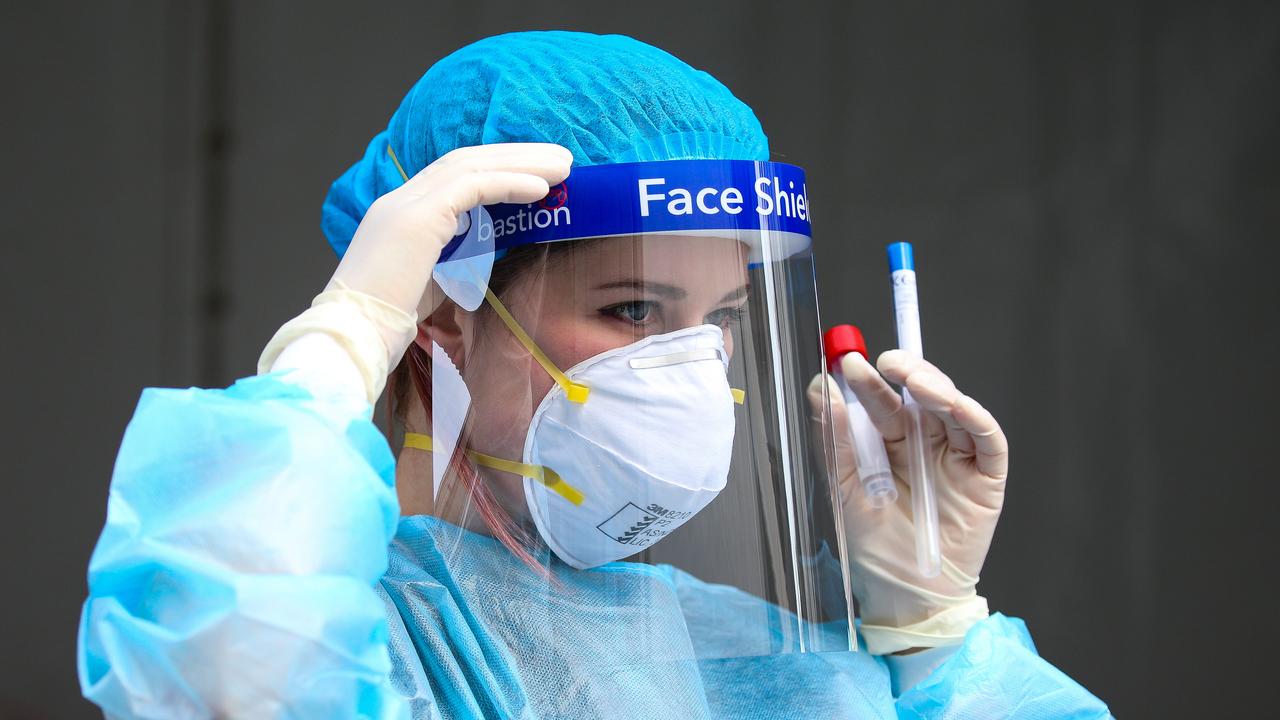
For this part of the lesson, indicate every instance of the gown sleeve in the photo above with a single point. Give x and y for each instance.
(997, 673)
(235, 577)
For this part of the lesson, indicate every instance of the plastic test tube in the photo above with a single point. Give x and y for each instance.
(873, 463)
(924, 504)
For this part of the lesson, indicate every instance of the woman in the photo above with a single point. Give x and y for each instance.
(579, 389)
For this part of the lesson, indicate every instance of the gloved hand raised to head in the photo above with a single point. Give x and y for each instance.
(372, 305)
(901, 609)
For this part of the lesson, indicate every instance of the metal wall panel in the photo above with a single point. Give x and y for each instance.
(101, 211)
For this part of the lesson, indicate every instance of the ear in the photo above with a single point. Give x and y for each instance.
(444, 327)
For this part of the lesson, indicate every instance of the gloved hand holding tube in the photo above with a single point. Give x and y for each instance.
(967, 454)
(373, 303)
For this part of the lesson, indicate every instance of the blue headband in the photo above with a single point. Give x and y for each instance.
(648, 197)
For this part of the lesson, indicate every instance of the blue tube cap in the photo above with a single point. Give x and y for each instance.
(901, 257)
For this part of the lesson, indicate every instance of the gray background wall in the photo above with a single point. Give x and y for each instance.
(1093, 188)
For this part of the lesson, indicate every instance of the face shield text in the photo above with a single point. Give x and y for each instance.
(772, 198)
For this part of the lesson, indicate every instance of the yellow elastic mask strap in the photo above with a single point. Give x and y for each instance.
(542, 474)
(576, 392)
(396, 160)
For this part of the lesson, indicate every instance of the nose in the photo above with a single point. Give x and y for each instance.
(694, 320)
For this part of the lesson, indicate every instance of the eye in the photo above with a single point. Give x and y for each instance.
(636, 312)
(726, 316)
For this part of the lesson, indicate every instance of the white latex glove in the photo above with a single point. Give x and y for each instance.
(900, 608)
(372, 304)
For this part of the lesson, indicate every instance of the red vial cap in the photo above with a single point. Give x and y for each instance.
(840, 341)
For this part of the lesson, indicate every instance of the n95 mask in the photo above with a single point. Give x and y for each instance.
(650, 447)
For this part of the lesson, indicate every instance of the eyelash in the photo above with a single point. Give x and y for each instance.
(727, 315)
(619, 311)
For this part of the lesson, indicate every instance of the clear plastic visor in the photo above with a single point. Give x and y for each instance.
(623, 461)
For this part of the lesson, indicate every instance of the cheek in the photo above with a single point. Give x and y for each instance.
(507, 385)
(503, 398)
(569, 343)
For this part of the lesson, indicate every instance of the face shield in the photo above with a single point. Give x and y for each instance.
(621, 448)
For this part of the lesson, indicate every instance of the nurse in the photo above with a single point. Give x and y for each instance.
(612, 486)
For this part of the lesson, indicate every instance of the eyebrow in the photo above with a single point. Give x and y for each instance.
(736, 294)
(670, 292)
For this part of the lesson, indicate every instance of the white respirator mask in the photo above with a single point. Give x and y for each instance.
(646, 451)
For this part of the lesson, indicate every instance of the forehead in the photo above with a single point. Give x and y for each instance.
(672, 259)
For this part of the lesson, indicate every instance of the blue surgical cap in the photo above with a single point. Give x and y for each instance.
(608, 98)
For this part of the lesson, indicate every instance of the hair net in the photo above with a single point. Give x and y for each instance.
(608, 98)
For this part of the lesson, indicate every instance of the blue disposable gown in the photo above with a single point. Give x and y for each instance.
(253, 564)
